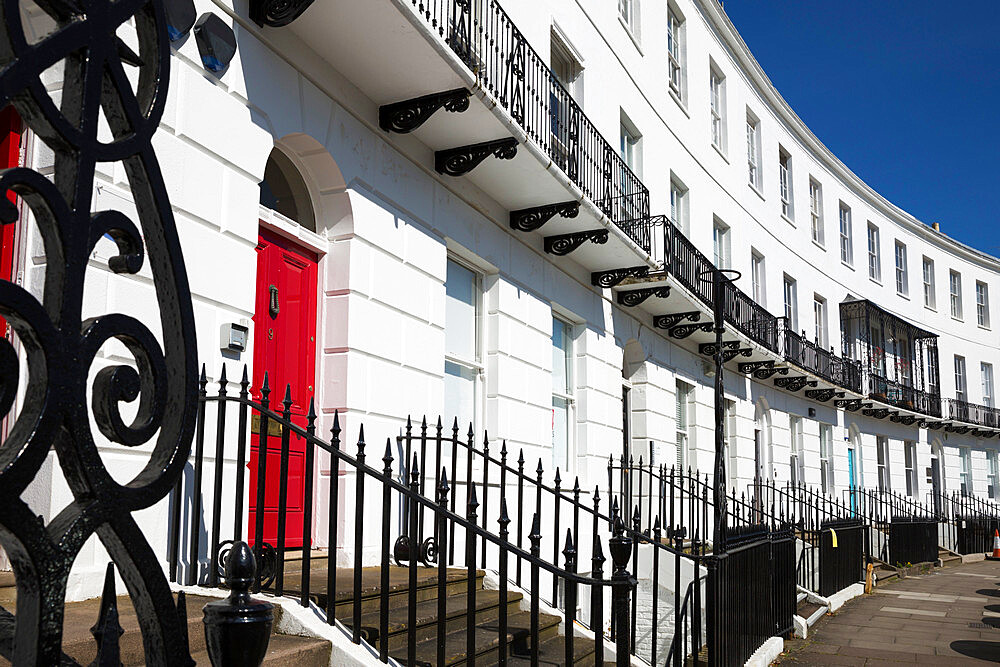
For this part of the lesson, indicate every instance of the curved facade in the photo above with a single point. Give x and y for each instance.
(511, 211)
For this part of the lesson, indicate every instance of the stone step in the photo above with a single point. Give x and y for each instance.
(371, 585)
(79, 644)
(807, 609)
(487, 643)
(285, 651)
(487, 610)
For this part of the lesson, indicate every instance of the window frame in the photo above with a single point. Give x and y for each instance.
(874, 253)
(992, 474)
(796, 463)
(820, 321)
(717, 107)
(816, 212)
(754, 176)
(961, 379)
(910, 466)
(955, 295)
(568, 395)
(982, 304)
(902, 272)
(791, 295)
(679, 205)
(676, 28)
(882, 462)
(476, 366)
(986, 380)
(846, 235)
(930, 287)
(721, 244)
(965, 471)
(826, 462)
(628, 14)
(683, 394)
(758, 278)
(785, 190)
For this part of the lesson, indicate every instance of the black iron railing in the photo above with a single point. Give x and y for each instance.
(820, 519)
(902, 529)
(435, 531)
(970, 413)
(809, 356)
(900, 395)
(689, 266)
(482, 34)
(967, 524)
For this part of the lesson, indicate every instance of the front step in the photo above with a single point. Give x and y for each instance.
(79, 644)
(948, 558)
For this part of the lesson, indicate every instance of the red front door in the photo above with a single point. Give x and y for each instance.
(284, 348)
(10, 148)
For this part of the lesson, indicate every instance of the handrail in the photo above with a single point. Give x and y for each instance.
(900, 395)
(377, 475)
(810, 357)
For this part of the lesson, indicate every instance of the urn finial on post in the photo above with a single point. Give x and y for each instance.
(238, 629)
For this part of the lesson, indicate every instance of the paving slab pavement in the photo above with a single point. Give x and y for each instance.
(947, 617)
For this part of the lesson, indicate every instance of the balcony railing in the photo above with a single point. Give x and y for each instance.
(482, 34)
(895, 393)
(970, 413)
(821, 362)
(693, 269)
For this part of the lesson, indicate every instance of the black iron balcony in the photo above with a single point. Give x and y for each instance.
(970, 413)
(689, 267)
(809, 356)
(483, 36)
(902, 396)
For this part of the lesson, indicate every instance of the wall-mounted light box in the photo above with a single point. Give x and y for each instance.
(234, 337)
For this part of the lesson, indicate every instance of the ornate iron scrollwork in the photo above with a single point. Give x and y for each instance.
(564, 244)
(850, 404)
(708, 349)
(635, 297)
(460, 161)
(682, 331)
(905, 420)
(277, 13)
(60, 347)
(530, 219)
(934, 426)
(615, 276)
(822, 395)
(794, 384)
(751, 367)
(427, 551)
(673, 319)
(406, 116)
(877, 413)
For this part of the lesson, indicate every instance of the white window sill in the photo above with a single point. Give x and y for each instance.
(677, 98)
(788, 220)
(957, 319)
(984, 328)
(930, 308)
(757, 191)
(903, 296)
(850, 266)
(877, 281)
(721, 153)
(819, 245)
(631, 35)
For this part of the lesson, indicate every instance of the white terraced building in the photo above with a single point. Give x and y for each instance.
(521, 250)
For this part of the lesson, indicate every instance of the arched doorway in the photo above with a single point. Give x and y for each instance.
(763, 445)
(284, 347)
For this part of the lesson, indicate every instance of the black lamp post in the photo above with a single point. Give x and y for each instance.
(719, 278)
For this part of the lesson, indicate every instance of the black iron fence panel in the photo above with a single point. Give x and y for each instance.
(485, 38)
(751, 594)
(841, 556)
(975, 533)
(808, 356)
(912, 541)
(970, 413)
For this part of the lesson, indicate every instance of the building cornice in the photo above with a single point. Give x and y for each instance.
(719, 21)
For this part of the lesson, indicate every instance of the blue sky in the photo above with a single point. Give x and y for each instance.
(905, 92)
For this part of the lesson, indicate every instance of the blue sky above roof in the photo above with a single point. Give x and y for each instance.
(905, 92)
